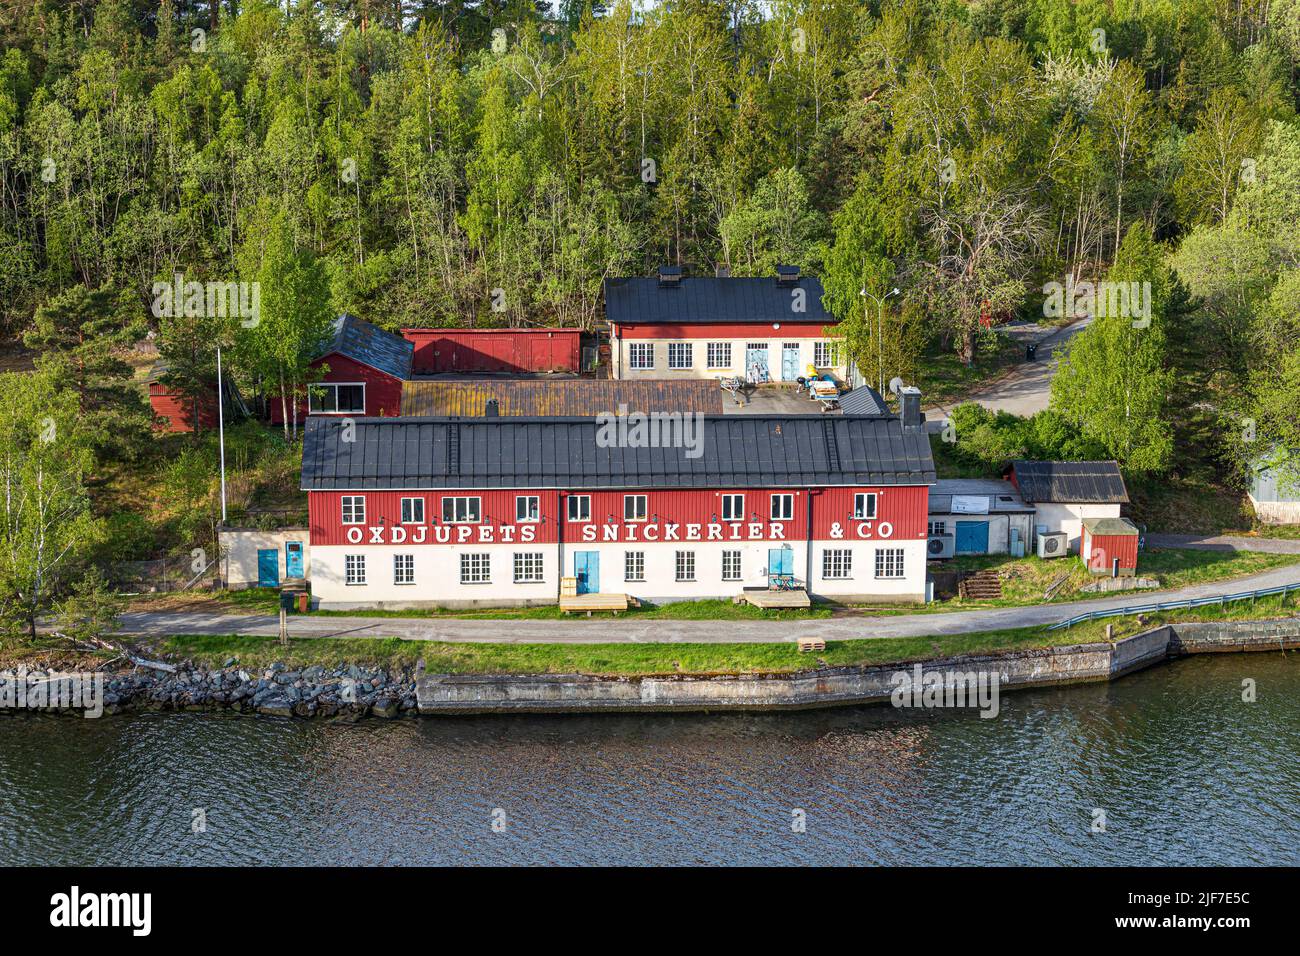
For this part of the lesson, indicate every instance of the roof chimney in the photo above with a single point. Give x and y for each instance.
(491, 408)
(910, 415)
(670, 277)
(723, 272)
(787, 275)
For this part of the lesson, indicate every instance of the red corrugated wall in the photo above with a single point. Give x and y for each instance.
(902, 508)
(494, 350)
(735, 330)
(383, 391)
(1101, 550)
(178, 410)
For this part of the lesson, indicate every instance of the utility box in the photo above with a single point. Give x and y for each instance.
(1110, 546)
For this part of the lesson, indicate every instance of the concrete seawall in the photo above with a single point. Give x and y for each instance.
(837, 686)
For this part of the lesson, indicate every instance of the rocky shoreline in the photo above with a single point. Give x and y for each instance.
(343, 691)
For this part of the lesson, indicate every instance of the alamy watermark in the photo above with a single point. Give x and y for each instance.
(937, 689)
(1077, 300)
(38, 690)
(625, 429)
(212, 300)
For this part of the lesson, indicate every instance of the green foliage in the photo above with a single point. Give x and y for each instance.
(90, 611)
(982, 443)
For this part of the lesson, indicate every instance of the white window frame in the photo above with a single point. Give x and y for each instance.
(934, 528)
(476, 567)
(683, 564)
(334, 388)
(681, 355)
(584, 509)
(736, 505)
(354, 570)
(731, 557)
(890, 564)
(416, 504)
(532, 509)
(357, 504)
(454, 501)
(403, 569)
(714, 351)
(861, 498)
(826, 354)
(780, 514)
(644, 509)
(634, 566)
(640, 355)
(530, 567)
(837, 564)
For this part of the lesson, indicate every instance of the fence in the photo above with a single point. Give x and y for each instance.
(1221, 600)
(158, 575)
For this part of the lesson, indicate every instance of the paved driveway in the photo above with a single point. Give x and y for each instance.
(1026, 389)
(1224, 542)
(631, 630)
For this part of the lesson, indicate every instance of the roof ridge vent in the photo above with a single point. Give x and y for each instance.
(787, 275)
(670, 277)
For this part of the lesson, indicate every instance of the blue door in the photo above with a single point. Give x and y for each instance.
(586, 568)
(268, 567)
(972, 537)
(789, 361)
(293, 559)
(780, 566)
(756, 368)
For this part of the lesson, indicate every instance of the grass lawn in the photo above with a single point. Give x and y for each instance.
(651, 659)
(943, 378)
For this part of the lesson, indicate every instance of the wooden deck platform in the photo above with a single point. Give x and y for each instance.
(593, 602)
(762, 597)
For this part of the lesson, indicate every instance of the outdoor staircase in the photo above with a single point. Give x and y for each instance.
(980, 586)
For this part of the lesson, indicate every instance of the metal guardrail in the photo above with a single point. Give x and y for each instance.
(1174, 605)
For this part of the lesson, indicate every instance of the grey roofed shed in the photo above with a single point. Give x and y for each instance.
(863, 400)
(369, 344)
(738, 451)
(1002, 495)
(644, 301)
(1070, 482)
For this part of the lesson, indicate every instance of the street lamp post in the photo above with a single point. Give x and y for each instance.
(880, 332)
(221, 436)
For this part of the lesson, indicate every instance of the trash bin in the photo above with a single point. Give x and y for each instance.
(1031, 351)
(303, 598)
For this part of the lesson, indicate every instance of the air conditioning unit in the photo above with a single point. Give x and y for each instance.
(1055, 544)
(940, 546)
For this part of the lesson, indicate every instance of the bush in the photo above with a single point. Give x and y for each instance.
(127, 537)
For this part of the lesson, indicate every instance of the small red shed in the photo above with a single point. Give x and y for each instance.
(1110, 546)
(366, 367)
(495, 350)
(177, 412)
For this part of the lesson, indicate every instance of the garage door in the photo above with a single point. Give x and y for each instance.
(972, 537)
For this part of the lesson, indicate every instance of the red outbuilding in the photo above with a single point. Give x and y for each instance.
(176, 412)
(494, 350)
(364, 371)
(1110, 546)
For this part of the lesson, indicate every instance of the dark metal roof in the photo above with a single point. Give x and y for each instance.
(713, 299)
(578, 396)
(738, 451)
(863, 400)
(1072, 482)
(371, 345)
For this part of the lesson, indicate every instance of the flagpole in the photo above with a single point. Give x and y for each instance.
(221, 435)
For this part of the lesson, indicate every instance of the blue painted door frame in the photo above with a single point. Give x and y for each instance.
(268, 567)
(293, 559)
(789, 363)
(586, 568)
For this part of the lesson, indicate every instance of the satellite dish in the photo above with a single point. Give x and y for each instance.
(895, 384)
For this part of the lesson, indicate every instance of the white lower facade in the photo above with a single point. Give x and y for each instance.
(658, 572)
(1069, 518)
(761, 358)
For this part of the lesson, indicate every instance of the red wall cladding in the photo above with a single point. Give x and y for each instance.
(494, 350)
(1100, 551)
(383, 392)
(719, 330)
(900, 515)
(179, 411)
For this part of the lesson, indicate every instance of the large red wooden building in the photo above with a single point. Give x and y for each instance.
(494, 350)
(494, 512)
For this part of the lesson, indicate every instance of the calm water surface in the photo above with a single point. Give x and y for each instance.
(1186, 772)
